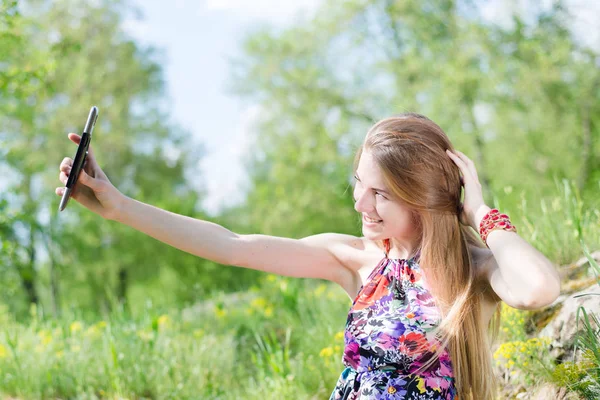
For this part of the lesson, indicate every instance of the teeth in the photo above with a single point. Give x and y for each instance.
(371, 220)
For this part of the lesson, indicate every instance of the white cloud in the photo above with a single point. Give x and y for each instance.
(498, 12)
(136, 27)
(586, 14)
(276, 11)
(222, 167)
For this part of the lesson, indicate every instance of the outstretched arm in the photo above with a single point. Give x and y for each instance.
(328, 256)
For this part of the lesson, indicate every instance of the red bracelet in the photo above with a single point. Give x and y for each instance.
(494, 220)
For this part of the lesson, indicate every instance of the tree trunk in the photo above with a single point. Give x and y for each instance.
(54, 288)
(27, 272)
(122, 288)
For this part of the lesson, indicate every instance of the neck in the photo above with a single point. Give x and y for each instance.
(401, 249)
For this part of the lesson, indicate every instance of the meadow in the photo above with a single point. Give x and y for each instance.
(282, 338)
(91, 309)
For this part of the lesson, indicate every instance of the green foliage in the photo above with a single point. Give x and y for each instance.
(513, 323)
(588, 340)
(202, 352)
(556, 224)
(521, 100)
(586, 377)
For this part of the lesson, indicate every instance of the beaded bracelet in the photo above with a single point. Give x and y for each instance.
(494, 220)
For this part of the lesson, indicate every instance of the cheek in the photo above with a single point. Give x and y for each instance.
(402, 220)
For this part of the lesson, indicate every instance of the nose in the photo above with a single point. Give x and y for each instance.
(363, 203)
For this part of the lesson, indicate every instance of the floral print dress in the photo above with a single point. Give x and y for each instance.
(389, 335)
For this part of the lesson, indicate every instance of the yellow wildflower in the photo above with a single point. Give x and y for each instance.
(326, 352)
(45, 337)
(320, 289)
(220, 313)
(76, 327)
(163, 321)
(259, 303)
(198, 333)
(283, 285)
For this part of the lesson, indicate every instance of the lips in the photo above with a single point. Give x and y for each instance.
(371, 220)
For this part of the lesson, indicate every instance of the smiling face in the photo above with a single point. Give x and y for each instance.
(375, 201)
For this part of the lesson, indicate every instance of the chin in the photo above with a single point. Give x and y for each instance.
(372, 235)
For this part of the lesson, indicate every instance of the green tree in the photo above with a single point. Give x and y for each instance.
(499, 92)
(145, 154)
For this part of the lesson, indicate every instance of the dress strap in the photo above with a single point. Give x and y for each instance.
(387, 246)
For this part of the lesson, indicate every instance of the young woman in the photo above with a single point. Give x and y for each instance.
(425, 285)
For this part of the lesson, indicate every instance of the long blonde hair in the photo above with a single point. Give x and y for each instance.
(410, 150)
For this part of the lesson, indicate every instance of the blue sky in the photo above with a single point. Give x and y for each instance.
(198, 36)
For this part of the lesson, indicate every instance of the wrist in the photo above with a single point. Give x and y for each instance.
(478, 216)
(120, 208)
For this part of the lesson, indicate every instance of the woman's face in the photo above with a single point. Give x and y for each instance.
(373, 200)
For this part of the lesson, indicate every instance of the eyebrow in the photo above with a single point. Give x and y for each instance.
(379, 190)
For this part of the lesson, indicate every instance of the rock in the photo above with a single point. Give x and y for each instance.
(548, 391)
(563, 326)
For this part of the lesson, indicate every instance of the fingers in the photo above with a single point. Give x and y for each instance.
(84, 177)
(470, 164)
(63, 177)
(75, 138)
(91, 158)
(465, 165)
(66, 164)
(458, 161)
(87, 180)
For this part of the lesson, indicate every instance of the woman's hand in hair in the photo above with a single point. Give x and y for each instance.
(473, 206)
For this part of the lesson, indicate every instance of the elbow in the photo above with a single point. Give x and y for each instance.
(541, 296)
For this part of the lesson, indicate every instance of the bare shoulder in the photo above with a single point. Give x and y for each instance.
(351, 251)
(358, 255)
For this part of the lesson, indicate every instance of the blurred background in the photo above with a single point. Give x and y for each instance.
(248, 114)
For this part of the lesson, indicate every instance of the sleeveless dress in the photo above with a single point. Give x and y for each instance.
(389, 335)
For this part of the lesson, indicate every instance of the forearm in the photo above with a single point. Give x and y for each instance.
(202, 238)
(530, 277)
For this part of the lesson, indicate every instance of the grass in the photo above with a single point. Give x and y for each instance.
(281, 339)
(262, 348)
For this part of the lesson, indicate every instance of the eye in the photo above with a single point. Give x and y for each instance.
(380, 194)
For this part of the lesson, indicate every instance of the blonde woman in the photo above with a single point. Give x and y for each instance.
(425, 285)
